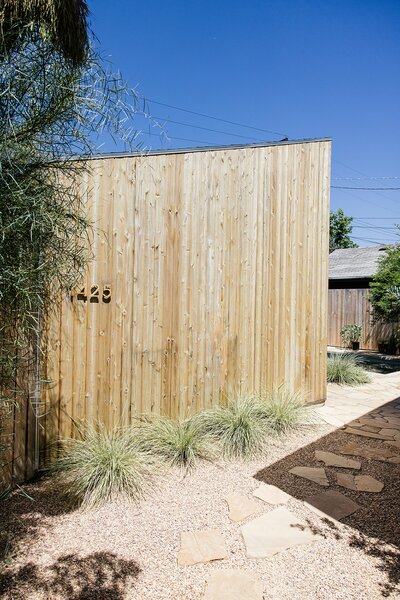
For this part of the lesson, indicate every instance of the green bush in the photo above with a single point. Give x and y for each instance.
(240, 429)
(345, 369)
(179, 443)
(285, 410)
(102, 465)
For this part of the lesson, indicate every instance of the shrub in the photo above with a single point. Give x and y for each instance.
(345, 369)
(240, 428)
(179, 443)
(351, 333)
(285, 410)
(102, 465)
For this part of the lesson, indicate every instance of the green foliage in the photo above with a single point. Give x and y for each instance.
(62, 23)
(351, 333)
(53, 106)
(239, 429)
(285, 410)
(179, 443)
(340, 229)
(391, 344)
(103, 465)
(345, 369)
(385, 287)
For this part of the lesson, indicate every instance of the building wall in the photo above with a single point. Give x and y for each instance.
(209, 279)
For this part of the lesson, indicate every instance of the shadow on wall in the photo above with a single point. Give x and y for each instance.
(375, 527)
(101, 575)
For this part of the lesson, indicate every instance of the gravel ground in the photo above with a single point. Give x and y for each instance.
(125, 552)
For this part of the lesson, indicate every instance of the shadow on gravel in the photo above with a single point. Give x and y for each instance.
(24, 513)
(101, 575)
(374, 528)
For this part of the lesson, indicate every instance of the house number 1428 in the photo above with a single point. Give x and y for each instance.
(94, 294)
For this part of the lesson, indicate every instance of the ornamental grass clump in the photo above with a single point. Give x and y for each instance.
(345, 369)
(101, 465)
(177, 443)
(240, 428)
(285, 410)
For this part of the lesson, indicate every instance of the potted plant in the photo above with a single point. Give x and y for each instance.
(352, 335)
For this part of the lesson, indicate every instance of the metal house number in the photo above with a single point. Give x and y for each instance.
(93, 294)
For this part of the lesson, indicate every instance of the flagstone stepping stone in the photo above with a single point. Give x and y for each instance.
(395, 443)
(383, 454)
(376, 436)
(346, 480)
(316, 474)
(275, 532)
(359, 483)
(366, 483)
(271, 494)
(389, 432)
(332, 504)
(233, 584)
(370, 428)
(394, 423)
(373, 421)
(201, 546)
(334, 460)
(241, 507)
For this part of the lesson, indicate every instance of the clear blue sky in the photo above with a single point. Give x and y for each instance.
(306, 68)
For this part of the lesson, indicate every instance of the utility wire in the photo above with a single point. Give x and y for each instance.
(245, 137)
(360, 178)
(199, 114)
(340, 187)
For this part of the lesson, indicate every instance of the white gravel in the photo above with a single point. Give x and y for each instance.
(51, 555)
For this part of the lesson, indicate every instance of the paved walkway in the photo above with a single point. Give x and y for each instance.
(346, 404)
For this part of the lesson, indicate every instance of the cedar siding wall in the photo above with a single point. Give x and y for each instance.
(351, 305)
(217, 262)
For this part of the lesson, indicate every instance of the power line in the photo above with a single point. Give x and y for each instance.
(199, 114)
(380, 243)
(340, 187)
(377, 218)
(245, 137)
(360, 178)
(163, 135)
(374, 227)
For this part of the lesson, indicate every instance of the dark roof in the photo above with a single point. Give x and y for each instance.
(354, 263)
(201, 148)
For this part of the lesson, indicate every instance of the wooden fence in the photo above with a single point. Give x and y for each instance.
(209, 278)
(351, 306)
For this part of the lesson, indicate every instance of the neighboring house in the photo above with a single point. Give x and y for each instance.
(350, 273)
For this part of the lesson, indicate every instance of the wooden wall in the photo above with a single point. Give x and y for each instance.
(348, 306)
(217, 266)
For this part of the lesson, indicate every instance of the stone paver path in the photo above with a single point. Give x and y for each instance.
(334, 460)
(364, 414)
(201, 546)
(274, 532)
(359, 483)
(316, 474)
(241, 507)
(233, 584)
(332, 504)
(271, 494)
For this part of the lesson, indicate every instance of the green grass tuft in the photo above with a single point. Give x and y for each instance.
(103, 465)
(240, 428)
(285, 410)
(345, 369)
(179, 443)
